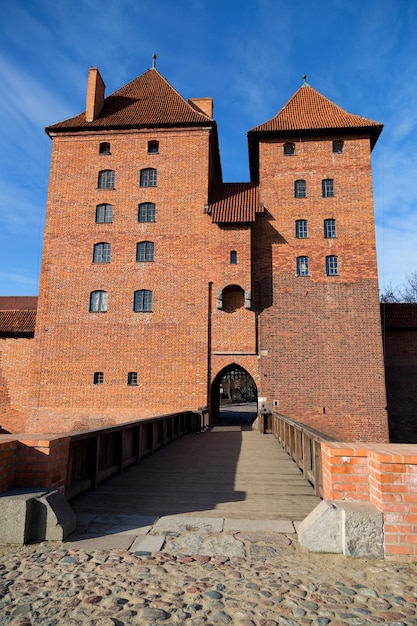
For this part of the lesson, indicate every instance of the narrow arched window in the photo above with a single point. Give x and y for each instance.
(104, 214)
(233, 257)
(302, 266)
(300, 189)
(106, 179)
(327, 186)
(142, 301)
(98, 378)
(101, 253)
(332, 268)
(144, 251)
(146, 212)
(330, 229)
(98, 301)
(148, 177)
(153, 147)
(104, 147)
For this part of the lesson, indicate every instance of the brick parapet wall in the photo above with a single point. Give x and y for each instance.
(28, 461)
(386, 476)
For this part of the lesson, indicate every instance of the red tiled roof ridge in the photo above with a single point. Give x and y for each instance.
(18, 303)
(308, 109)
(149, 100)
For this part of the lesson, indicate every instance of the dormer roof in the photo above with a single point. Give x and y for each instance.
(148, 101)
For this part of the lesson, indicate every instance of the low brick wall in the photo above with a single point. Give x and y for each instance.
(386, 476)
(26, 461)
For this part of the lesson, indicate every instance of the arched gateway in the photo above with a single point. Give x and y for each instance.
(233, 389)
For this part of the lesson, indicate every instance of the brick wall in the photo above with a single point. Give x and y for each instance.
(385, 475)
(15, 382)
(320, 336)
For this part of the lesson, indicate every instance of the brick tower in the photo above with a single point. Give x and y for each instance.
(158, 278)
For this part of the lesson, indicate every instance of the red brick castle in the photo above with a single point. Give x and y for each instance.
(158, 278)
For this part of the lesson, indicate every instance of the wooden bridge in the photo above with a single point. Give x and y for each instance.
(230, 470)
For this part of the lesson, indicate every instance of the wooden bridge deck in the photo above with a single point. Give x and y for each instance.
(228, 471)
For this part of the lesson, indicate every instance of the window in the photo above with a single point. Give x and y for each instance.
(104, 148)
(146, 212)
(132, 378)
(144, 251)
(301, 229)
(98, 378)
(101, 253)
(338, 147)
(148, 177)
(153, 147)
(300, 189)
(106, 179)
(331, 266)
(329, 229)
(289, 149)
(233, 257)
(327, 188)
(302, 266)
(98, 301)
(143, 300)
(104, 214)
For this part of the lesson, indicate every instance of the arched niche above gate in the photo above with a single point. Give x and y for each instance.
(232, 298)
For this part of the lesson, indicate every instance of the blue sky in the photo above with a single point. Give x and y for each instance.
(249, 55)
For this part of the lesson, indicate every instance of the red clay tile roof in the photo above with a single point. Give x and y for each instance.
(234, 203)
(20, 322)
(21, 303)
(402, 315)
(308, 110)
(147, 101)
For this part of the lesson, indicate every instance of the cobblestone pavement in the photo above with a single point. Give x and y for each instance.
(263, 579)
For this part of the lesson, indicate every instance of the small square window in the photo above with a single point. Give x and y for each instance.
(104, 147)
(338, 147)
(301, 231)
(153, 147)
(132, 378)
(289, 149)
(98, 378)
(302, 266)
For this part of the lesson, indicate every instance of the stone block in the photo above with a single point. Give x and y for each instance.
(16, 512)
(363, 531)
(321, 530)
(53, 518)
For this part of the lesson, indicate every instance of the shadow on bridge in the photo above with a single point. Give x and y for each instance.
(229, 471)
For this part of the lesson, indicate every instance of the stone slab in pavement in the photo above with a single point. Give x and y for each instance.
(149, 543)
(180, 523)
(243, 525)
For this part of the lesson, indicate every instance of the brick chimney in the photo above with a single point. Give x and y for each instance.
(204, 104)
(95, 94)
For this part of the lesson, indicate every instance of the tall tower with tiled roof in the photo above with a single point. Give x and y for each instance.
(315, 270)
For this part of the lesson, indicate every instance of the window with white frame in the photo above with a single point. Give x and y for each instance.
(132, 378)
(98, 378)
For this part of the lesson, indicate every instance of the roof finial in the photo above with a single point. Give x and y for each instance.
(154, 61)
(305, 81)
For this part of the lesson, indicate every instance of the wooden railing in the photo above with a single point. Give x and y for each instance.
(96, 455)
(302, 443)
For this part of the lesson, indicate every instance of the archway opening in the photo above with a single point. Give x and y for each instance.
(234, 397)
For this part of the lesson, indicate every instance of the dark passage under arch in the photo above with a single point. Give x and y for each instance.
(233, 398)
